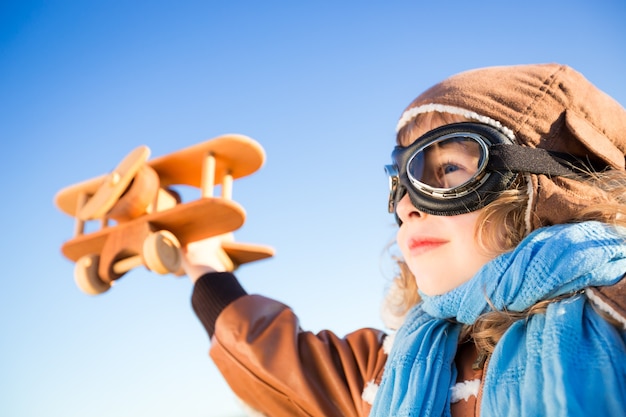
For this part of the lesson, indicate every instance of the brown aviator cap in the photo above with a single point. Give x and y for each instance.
(547, 106)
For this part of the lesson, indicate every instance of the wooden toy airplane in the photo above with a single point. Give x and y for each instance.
(142, 219)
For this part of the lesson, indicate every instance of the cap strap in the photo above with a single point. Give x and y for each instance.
(515, 158)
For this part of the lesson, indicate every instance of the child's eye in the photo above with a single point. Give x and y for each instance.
(450, 168)
(452, 174)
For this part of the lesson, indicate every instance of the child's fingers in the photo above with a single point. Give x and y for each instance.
(205, 256)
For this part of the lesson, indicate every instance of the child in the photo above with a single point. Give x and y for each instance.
(509, 187)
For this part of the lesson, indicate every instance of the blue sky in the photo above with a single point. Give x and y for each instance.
(319, 84)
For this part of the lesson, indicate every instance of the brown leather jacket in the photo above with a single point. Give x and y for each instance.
(306, 374)
(310, 374)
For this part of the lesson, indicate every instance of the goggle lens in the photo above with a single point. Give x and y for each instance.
(447, 164)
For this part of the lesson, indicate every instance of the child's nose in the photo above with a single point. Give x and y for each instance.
(405, 209)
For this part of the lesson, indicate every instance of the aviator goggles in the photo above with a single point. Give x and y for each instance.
(462, 167)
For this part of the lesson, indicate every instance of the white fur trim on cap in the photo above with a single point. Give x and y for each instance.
(530, 191)
(411, 113)
(595, 299)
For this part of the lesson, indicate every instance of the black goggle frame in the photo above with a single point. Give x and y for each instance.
(503, 160)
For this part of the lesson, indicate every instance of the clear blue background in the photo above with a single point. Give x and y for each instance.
(320, 84)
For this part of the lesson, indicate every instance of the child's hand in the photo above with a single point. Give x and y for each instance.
(204, 256)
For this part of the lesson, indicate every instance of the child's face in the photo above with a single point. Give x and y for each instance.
(441, 251)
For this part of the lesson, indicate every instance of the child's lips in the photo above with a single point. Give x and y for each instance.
(418, 246)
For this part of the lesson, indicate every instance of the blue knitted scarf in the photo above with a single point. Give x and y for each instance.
(567, 362)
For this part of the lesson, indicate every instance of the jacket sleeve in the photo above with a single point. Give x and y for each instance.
(278, 369)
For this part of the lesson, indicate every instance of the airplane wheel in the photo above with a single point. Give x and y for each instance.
(161, 252)
(86, 275)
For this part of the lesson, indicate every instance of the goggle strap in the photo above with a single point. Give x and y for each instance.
(515, 158)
